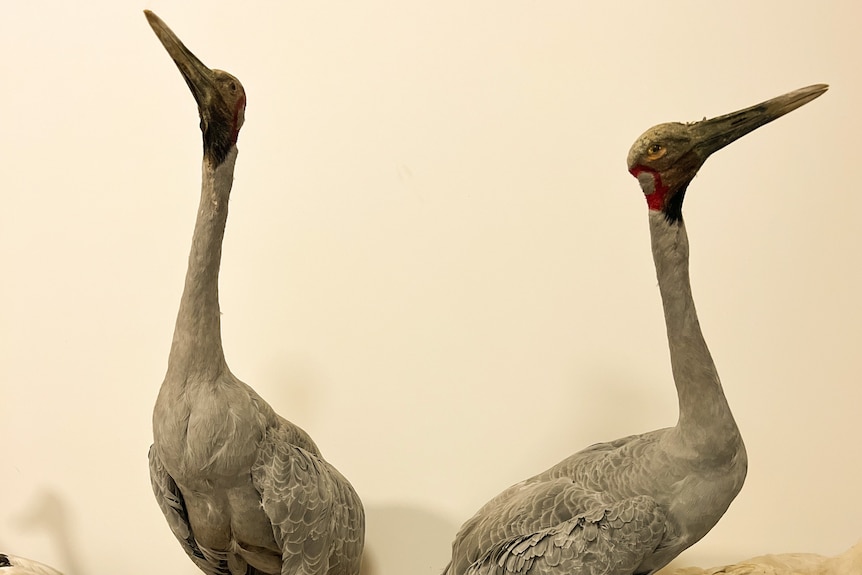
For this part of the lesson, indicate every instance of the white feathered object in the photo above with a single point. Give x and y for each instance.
(848, 563)
(12, 565)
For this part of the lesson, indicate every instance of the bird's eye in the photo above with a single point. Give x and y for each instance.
(656, 151)
(233, 86)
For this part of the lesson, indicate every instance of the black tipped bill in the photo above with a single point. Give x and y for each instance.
(714, 134)
(196, 74)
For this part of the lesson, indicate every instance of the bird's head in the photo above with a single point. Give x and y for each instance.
(666, 157)
(220, 96)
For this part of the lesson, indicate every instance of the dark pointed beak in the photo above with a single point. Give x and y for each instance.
(198, 77)
(714, 134)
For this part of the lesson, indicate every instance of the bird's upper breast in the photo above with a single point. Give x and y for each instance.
(699, 499)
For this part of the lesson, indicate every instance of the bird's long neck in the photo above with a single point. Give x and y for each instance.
(196, 350)
(705, 420)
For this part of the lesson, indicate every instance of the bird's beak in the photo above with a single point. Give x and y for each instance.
(714, 134)
(198, 77)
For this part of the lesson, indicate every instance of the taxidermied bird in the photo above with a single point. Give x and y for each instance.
(12, 565)
(848, 563)
(630, 506)
(244, 490)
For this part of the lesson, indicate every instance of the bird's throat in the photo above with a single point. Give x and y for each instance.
(654, 189)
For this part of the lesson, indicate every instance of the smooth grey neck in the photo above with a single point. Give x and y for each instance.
(704, 415)
(196, 351)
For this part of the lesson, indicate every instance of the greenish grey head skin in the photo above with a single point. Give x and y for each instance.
(220, 96)
(666, 157)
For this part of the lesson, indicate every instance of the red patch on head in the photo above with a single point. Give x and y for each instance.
(240, 106)
(655, 200)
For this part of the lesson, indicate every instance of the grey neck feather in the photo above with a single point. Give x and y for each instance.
(704, 415)
(196, 350)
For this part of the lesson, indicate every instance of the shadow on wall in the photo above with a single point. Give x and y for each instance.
(400, 539)
(48, 513)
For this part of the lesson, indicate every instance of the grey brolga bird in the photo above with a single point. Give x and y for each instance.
(630, 506)
(244, 490)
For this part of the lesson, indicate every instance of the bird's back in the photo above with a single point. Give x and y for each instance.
(251, 489)
(608, 506)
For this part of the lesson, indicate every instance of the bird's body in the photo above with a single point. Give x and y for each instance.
(244, 490)
(628, 507)
(12, 565)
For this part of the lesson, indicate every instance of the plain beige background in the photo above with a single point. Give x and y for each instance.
(435, 261)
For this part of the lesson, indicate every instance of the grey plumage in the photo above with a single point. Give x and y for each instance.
(243, 490)
(628, 507)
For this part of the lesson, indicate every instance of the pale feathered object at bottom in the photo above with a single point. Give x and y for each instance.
(12, 565)
(848, 563)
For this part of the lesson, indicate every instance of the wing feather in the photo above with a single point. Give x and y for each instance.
(317, 517)
(553, 527)
(581, 545)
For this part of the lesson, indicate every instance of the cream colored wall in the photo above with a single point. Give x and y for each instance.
(435, 262)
